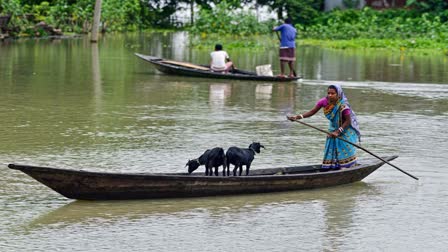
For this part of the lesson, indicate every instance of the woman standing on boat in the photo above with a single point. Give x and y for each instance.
(343, 123)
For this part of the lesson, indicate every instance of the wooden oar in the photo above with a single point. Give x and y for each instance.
(185, 64)
(279, 39)
(357, 146)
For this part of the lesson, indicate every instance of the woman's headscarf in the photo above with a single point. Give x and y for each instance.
(354, 121)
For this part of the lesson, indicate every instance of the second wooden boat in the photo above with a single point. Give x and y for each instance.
(193, 70)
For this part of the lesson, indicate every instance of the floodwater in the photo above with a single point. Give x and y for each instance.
(70, 104)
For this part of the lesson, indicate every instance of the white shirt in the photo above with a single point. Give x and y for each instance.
(219, 60)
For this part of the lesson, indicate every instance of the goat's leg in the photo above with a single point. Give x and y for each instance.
(210, 171)
(241, 169)
(234, 170)
(224, 170)
(216, 170)
(206, 170)
(247, 169)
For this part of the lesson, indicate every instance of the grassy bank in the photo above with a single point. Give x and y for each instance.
(414, 46)
(261, 42)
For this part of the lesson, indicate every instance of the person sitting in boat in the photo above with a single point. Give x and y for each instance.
(343, 123)
(220, 60)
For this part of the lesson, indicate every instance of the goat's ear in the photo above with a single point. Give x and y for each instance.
(262, 146)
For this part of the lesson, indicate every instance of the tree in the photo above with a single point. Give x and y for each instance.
(157, 13)
(428, 5)
(302, 12)
(208, 5)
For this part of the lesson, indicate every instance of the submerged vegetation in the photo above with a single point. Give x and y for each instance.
(396, 29)
(387, 24)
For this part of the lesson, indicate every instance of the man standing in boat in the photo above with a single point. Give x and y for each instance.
(287, 47)
(220, 60)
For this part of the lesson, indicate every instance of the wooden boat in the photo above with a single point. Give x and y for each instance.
(86, 185)
(193, 70)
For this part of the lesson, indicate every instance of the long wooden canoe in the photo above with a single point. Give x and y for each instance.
(87, 185)
(193, 70)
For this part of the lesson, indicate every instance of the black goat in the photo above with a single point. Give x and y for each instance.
(239, 157)
(211, 158)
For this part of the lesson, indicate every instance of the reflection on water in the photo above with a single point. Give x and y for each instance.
(331, 205)
(219, 93)
(96, 77)
(325, 211)
(371, 65)
(263, 91)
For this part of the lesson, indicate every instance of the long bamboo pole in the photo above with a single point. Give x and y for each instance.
(358, 146)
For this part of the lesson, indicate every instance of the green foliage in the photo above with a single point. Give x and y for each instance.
(120, 15)
(60, 13)
(303, 12)
(400, 45)
(423, 24)
(351, 3)
(434, 6)
(156, 13)
(10, 7)
(207, 4)
(254, 42)
(370, 24)
(77, 15)
(224, 20)
(14, 8)
(81, 15)
(41, 11)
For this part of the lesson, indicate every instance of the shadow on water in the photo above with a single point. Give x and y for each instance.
(337, 210)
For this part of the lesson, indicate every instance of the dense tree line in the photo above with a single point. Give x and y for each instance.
(226, 17)
(119, 15)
